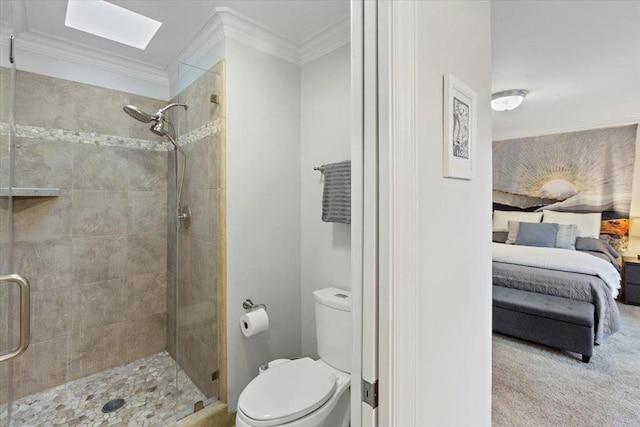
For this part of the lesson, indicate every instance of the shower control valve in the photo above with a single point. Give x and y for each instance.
(184, 216)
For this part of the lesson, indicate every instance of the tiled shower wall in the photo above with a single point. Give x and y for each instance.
(201, 249)
(95, 255)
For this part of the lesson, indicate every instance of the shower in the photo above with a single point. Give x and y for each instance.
(128, 184)
(163, 127)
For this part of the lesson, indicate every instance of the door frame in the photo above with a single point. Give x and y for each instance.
(357, 148)
(385, 238)
(364, 205)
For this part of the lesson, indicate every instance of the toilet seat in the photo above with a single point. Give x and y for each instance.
(287, 392)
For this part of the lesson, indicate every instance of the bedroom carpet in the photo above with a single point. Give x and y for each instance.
(535, 385)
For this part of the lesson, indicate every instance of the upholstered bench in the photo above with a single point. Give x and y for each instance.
(545, 319)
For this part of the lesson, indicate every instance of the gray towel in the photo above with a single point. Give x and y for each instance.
(336, 199)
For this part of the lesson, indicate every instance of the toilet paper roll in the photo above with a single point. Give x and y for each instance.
(254, 322)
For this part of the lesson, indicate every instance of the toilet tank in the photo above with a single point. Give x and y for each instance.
(333, 327)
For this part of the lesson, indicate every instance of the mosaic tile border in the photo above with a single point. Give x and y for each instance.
(51, 134)
(211, 128)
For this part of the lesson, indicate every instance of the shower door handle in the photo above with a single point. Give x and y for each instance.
(25, 308)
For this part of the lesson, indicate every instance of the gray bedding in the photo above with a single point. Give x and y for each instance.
(576, 286)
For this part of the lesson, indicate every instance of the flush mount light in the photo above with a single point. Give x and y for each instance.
(508, 99)
(112, 22)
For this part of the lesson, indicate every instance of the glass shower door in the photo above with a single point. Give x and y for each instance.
(14, 289)
(7, 293)
(199, 268)
(5, 250)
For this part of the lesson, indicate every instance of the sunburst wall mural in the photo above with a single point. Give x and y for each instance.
(587, 171)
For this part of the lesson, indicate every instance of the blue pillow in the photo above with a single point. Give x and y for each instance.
(537, 234)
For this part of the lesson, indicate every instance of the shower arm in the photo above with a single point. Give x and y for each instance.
(160, 113)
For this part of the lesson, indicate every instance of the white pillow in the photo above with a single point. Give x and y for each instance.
(588, 223)
(501, 218)
(514, 227)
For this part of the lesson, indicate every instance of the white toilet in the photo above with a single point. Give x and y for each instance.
(306, 392)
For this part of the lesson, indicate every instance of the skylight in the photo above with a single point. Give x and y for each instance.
(112, 22)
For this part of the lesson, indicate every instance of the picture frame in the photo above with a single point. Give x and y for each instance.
(459, 129)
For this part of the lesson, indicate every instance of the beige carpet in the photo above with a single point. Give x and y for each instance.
(537, 386)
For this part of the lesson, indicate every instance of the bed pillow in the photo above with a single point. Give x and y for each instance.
(501, 218)
(588, 223)
(540, 235)
(566, 238)
(514, 226)
(588, 244)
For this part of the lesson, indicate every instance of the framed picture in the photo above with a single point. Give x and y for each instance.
(459, 129)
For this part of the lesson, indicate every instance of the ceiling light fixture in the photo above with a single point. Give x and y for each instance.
(508, 99)
(112, 22)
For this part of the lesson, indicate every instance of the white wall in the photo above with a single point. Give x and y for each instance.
(453, 324)
(263, 207)
(456, 226)
(326, 138)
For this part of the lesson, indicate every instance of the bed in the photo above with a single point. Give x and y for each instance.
(582, 267)
(588, 276)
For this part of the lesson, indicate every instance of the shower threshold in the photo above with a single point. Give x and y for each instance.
(147, 386)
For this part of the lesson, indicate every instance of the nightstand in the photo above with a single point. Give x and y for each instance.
(631, 280)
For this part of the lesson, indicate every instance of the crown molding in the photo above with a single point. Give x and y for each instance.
(227, 23)
(77, 53)
(326, 41)
(542, 131)
(247, 31)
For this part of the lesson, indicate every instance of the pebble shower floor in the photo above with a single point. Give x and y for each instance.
(147, 385)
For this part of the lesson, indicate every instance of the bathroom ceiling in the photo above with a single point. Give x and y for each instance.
(181, 21)
(580, 61)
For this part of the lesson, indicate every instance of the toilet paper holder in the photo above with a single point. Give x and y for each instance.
(250, 306)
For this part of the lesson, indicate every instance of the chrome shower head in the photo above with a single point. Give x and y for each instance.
(164, 128)
(138, 114)
(159, 128)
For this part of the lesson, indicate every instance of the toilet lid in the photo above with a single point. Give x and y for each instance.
(287, 392)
